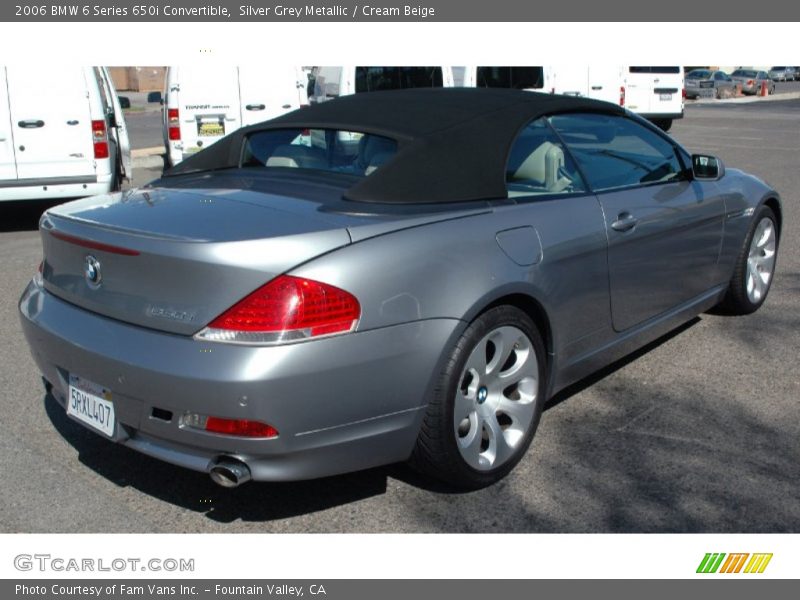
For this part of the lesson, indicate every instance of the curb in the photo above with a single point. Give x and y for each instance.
(140, 152)
(148, 158)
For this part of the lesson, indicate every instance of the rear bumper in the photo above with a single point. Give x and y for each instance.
(664, 115)
(340, 404)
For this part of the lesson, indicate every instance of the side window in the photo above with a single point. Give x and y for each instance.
(538, 164)
(616, 152)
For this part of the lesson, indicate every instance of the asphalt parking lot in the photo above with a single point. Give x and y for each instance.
(696, 433)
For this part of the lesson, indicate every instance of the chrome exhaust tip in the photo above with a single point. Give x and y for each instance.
(229, 472)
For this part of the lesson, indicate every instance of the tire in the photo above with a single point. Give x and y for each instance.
(663, 124)
(467, 438)
(755, 266)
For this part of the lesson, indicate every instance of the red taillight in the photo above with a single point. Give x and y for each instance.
(286, 309)
(173, 124)
(683, 93)
(240, 427)
(750, 82)
(622, 95)
(100, 139)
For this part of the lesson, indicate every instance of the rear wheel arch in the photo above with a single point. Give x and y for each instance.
(531, 306)
(534, 309)
(773, 203)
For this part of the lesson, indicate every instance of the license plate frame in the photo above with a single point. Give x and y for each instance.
(92, 405)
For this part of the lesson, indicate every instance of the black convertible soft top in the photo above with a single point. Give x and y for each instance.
(453, 143)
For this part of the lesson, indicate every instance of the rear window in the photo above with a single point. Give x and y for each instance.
(744, 73)
(517, 78)
(698, 74)
(654, 70)
(332, 150)
(373, 79)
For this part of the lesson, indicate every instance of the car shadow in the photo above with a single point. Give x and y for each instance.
(592, 379)
(266, 501)
(23, 215)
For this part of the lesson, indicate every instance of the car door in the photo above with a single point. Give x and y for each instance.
(208, 105)
(8, 166)
(267, 92)
(606, 82)
(118, 126)
(664, 229)
(52, 131)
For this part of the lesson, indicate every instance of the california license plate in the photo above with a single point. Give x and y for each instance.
(91, 403)
(665, 96)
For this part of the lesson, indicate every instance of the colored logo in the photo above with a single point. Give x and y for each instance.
(741, 562)
(91, 271)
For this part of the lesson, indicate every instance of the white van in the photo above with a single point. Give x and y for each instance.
(205, 102)
(331, 82)
(62, 133)
(601, 82)
(656, 93)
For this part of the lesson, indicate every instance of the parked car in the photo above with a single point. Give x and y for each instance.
(273, 310)
(711, 84)
(782, 73)
(68, 145)
(752, 80)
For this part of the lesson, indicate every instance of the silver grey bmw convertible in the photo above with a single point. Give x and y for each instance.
(389, 276)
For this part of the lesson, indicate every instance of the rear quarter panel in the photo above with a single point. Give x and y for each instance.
(455, 269)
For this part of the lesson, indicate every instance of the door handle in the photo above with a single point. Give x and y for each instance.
(72, 122)
(625, 222)
(255, 107)
(31, 124)
(597, 87)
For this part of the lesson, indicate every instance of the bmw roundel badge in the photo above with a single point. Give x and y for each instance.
(91, 271)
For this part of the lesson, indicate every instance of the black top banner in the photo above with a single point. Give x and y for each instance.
(396, 11)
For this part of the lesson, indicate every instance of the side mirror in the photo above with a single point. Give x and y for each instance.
(707, 168)
(124, 102)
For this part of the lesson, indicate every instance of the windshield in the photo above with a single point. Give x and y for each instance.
(331, 150)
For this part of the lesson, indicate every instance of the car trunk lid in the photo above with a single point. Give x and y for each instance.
(172, 260)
